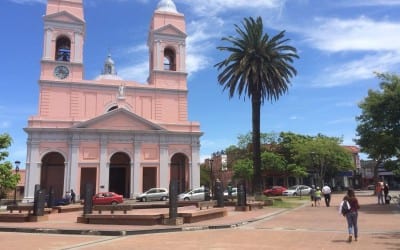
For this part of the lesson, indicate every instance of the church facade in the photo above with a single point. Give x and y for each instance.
(117, 135)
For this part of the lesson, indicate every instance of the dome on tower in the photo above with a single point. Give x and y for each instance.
(167, 5)
(109, 72)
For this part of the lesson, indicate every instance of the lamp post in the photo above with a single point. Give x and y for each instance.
(16, 172)
(211, 174)
(312, 154)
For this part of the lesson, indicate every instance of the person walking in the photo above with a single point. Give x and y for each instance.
(318, 197)
(379, 192)
(386, 193)
(326, 191)
(73, 195)
(351, 213)
(312, 196)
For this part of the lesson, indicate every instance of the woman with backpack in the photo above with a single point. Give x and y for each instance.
(349, 208)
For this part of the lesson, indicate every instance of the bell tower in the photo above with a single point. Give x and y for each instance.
(167, 48)
(64, 33)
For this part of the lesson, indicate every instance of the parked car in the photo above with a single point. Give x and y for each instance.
(107, 198)
(371, 187)
(275, 190)
(297, 190)
(154, 194)
(196, 194)
(234, 193)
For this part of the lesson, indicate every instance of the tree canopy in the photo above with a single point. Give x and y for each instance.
(378, 129)
(8, 180)
(259, 67)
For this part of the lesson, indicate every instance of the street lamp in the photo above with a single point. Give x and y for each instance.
(211, 174)
(16, 172)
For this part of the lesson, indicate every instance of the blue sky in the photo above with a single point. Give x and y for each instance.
(340, 44)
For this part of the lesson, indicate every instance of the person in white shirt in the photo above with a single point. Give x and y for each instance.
(326, 191)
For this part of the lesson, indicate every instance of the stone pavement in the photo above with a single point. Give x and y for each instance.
(305, 227)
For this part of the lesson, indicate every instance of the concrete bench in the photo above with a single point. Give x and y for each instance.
(122, 219)
(68, 208)
(255, 204)
(20, 217)
(200, 215)
(25, 208)
(206, 204)
(112, 208)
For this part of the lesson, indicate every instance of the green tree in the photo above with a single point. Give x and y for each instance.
(8, 180)
(260, 67)
(378, 128)
(243, 169)
(322, 155)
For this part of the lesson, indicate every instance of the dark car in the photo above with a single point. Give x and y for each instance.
(275, 190)
(107, 198)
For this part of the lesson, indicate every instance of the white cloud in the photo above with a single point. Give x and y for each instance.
(138, 72)
(371, 3)
(361, 34)
(361, 69)
(213, 7)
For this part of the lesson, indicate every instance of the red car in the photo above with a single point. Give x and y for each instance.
(107, 198)
(275, 190)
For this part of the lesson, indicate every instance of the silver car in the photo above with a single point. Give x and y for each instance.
(197, 194)
(297, 190)
(154, 194)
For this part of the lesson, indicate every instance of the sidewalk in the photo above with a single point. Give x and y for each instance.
(305, 227)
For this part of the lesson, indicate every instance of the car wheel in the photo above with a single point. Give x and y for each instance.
(114, 203)
(294, 194)
(186, 199)
(164, 198)
(144, 199)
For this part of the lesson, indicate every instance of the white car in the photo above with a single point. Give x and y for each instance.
(154, 194)
(197, 194)
(297, 190)
(234, 193)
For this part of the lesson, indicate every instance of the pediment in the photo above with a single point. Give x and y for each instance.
(119, 119)
(63, 16)
(170, 30)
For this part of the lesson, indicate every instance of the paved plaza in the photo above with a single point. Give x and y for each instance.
(304, 227)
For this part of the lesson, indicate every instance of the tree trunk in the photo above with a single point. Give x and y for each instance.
(256, 106)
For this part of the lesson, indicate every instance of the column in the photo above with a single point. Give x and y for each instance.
(137, 169)
(104, 171)
(164, 166)
(72, 167)
(33, 165)
(195, 165)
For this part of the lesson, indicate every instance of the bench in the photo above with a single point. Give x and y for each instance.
(112, 208)
(200, 215)
(20, 217)
(68, 208)
(121, 219)
(206, 204)
(25, 208)
(255, 204)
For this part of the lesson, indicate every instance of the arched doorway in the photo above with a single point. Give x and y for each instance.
(119, 181)
(180, 171)
(52, 173)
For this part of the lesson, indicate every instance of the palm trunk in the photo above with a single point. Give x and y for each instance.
(257, 179)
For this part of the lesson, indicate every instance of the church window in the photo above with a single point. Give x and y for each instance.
(169, 59)
(63, 49)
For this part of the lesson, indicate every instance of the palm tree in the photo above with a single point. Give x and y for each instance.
(259, 67)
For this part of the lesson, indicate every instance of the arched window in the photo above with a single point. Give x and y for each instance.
(63, 49)
(112, 108)
(169, 60)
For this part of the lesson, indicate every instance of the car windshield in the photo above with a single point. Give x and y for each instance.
(293, 187)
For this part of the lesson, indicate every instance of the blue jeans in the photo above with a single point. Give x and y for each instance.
(351, 218)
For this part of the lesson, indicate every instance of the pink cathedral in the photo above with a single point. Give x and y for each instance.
(115, 134)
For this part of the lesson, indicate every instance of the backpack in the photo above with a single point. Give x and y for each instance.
(345, 208)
